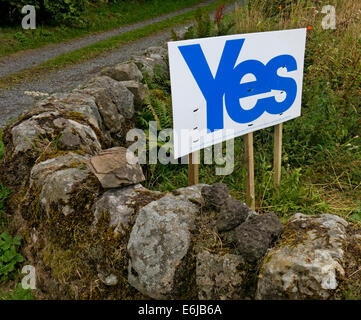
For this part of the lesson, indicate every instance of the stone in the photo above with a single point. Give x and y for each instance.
(191, 193)
(69, 141)
(158, 51)
(77, 136)
(232, 214)
(123, 72)
(139, 90)
(180, 33)
(114, 168)
(215, 196)
(119, 203)
(114, 101)
(84, 104)
(24, 134)
(111, 280)
(308, 260)
(256, 235)
(43, 169)
(158, 243)
(73, 104)
(218, 276)
(59, 187)
(147, 64)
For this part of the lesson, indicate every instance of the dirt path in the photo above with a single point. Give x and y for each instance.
(14, 101)
(30, 58)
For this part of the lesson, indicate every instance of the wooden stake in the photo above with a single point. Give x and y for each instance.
(277, 157)
(193, 168)
(248, 153)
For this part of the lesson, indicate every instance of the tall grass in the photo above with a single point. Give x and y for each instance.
(322, 148)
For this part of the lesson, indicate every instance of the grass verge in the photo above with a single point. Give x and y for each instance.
(92, 51)
(322, 148)
(97, 18)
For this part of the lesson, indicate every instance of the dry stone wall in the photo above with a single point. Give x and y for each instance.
(94, 232)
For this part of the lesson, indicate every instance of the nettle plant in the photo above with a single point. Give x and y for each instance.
(9, 257)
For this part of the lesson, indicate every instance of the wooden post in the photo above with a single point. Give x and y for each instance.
(193, 168)
(277, 157)
(248, 153)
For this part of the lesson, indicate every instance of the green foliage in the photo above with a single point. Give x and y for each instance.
(204, 27)
(321, 149)
(56, 11)
(290, 197)
(275, 7)
(66, 11)
(9, 257)
(4, 194)
(17, 294)
(159, 108)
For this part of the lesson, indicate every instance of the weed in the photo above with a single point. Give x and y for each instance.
(9, 257)
(19, 293)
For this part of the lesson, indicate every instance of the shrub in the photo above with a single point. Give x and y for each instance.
(50, 11)
(19, 293)
(9, 257)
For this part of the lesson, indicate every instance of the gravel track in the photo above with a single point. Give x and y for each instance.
(14, 101)
(30, 58)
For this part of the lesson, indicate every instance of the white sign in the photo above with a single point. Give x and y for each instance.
(225, 87)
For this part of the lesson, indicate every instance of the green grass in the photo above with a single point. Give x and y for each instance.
(17, 294)
(101, 17)
(96, 49)
(321, 149)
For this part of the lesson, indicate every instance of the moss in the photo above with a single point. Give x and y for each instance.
(350, 284)
(31, 209)
(63, 263)
(51, 154)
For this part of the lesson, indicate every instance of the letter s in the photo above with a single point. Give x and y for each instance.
(276, 82)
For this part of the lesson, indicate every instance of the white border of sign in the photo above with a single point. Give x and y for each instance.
(187, 96)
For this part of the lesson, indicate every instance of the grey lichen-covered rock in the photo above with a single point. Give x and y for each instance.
(181, 32)
(256, 235)
(159, 241)
(149, 64)
(219, 277)
(140, 91)
(116, 167)
(156, 52)
(306, 263)
(191, 193)
(74, 102)
(120, 204)
(75, 135)
(114, 101)
(60, 187)
(26, 132)
(43, 169)
(123, 72)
